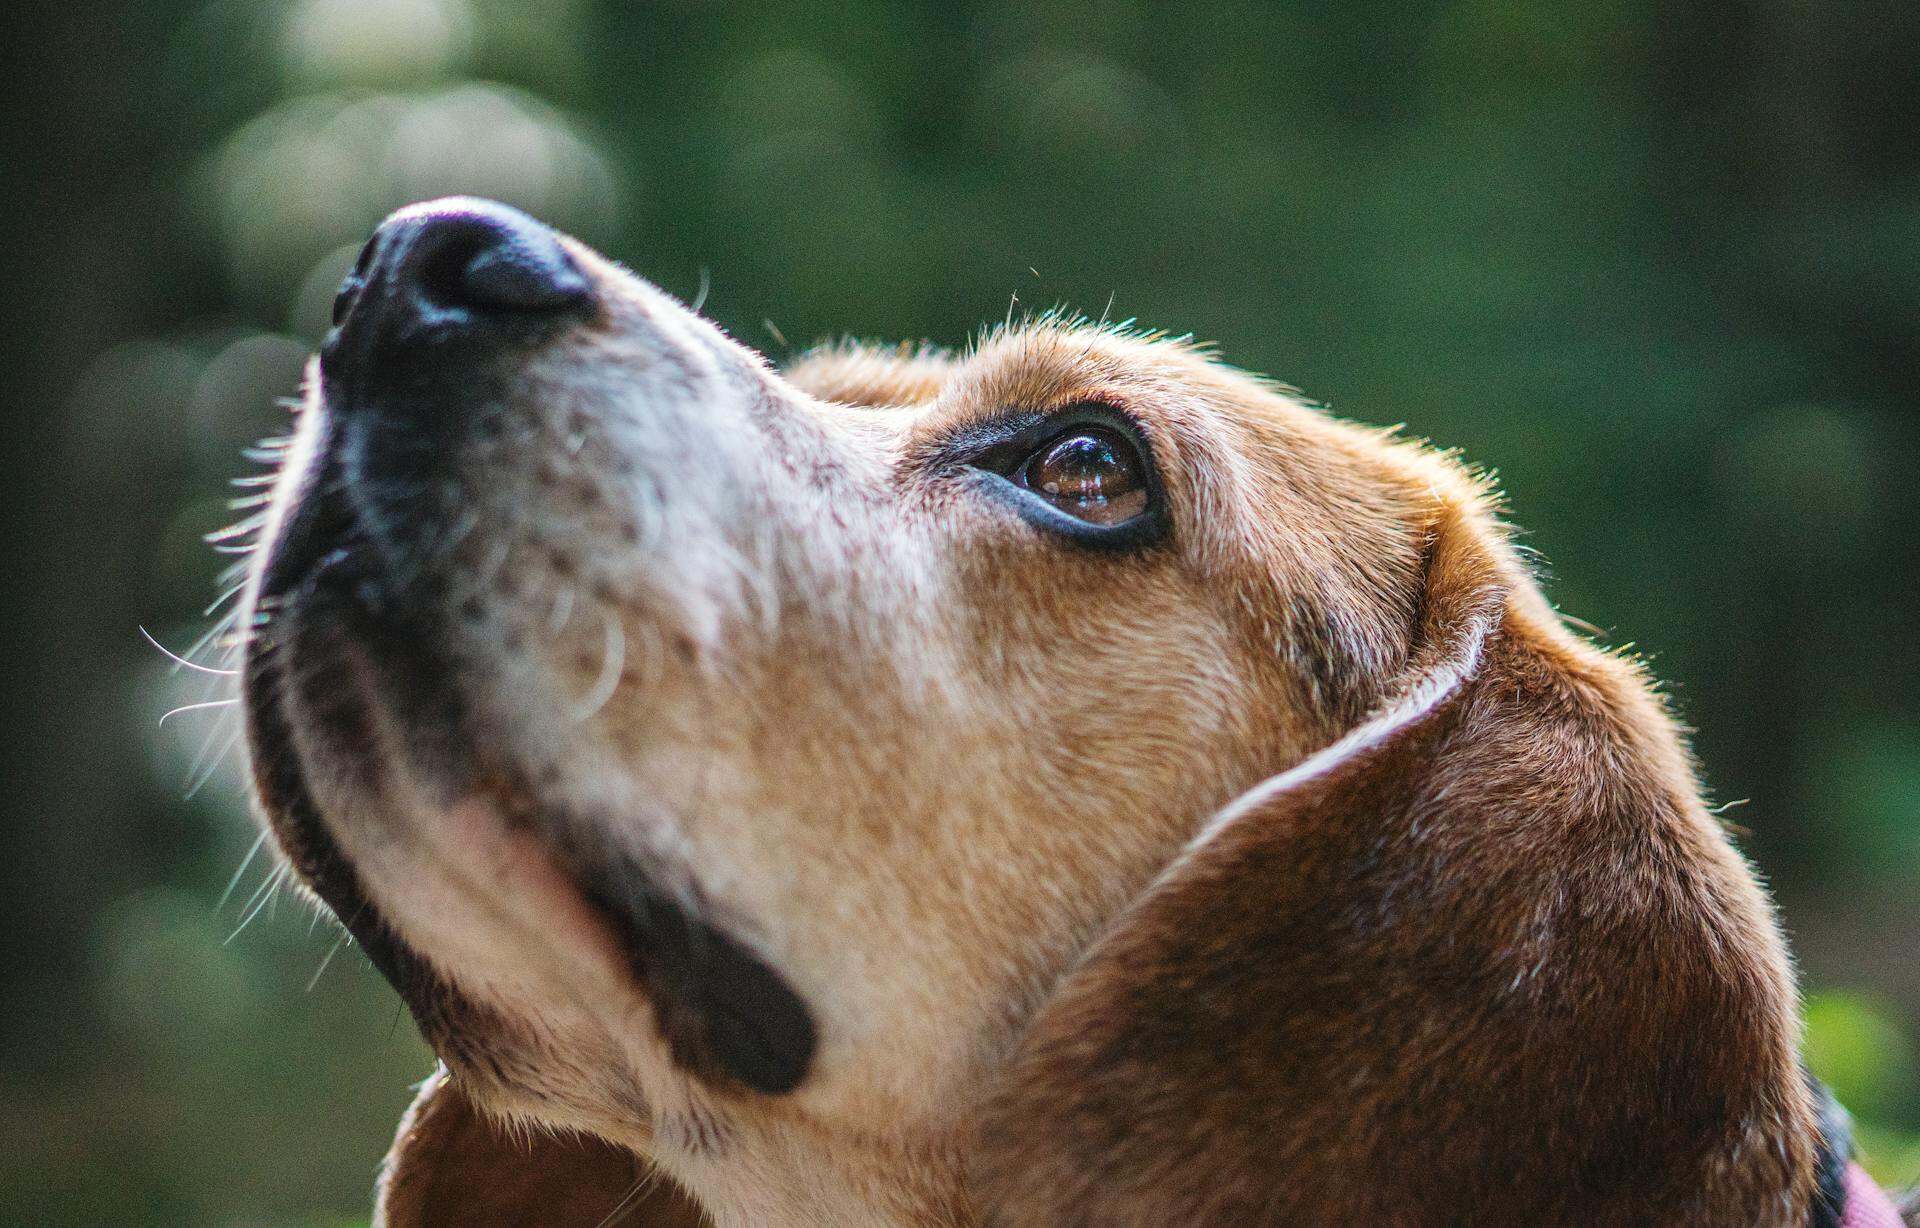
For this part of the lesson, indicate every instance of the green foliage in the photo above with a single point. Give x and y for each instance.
(1855, 1046)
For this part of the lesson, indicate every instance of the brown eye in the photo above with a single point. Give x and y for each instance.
(1091, 473)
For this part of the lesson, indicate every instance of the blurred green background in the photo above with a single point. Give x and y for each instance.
(1657, 264)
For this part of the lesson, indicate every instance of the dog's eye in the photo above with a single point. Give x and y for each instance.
(1085, 473)
(1091, 473)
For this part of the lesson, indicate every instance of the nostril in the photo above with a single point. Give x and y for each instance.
(440, 265)
(524, 277)
(495, 261)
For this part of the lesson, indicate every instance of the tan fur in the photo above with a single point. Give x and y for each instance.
(973, 792)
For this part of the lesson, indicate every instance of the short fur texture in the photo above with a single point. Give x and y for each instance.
(1303, 868)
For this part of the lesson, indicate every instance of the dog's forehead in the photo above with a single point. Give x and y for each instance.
(873, 374)
(916, 392)
(1039, 364)
(1030, 366)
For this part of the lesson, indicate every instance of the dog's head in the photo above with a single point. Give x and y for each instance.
(1069, 782)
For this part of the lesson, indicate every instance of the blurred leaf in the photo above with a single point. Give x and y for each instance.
(1855, 1048)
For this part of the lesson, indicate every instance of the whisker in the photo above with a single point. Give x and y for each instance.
(258, 843)
(220, 628)
(239, 528)
(211, 703)
(339, 942)
(180, 661)
(644, 1183)
(261, 896)
(232, 591)
(208, 762)
(206, 767)
(259, 891)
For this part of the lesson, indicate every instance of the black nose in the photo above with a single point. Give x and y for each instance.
(456, 267)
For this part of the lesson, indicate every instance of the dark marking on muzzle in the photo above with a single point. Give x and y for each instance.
(724, 1014)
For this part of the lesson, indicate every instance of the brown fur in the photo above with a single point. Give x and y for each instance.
(1501, 961)
(451, 1165)
(1303, 870)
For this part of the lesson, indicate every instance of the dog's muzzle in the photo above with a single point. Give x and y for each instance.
(434, 329)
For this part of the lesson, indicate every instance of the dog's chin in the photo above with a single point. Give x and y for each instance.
(456, 876)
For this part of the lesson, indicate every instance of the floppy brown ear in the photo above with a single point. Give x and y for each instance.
(1484, 960)
(452, 1165)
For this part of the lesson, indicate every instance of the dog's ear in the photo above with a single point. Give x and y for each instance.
(1484, 959)
(453, 1165)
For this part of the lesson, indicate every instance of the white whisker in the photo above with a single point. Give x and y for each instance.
(261, 897)
(339, 942)
(258, 843)
(646, 1182)
(239, 528)
(207, 764)
(181, 662)
(211, 703)
(231, 592)
(213, 633)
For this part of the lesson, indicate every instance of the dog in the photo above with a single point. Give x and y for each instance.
(1070, 782)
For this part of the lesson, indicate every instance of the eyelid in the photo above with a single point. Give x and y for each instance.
(976, 445)
(1002, 444)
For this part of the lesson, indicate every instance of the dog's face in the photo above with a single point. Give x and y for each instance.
(717, 757)
(891, 677)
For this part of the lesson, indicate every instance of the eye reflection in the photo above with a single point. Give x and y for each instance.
(1090, 473)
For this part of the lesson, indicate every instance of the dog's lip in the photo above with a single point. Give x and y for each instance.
(290, 810)
(479, 841)
(474, 829)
